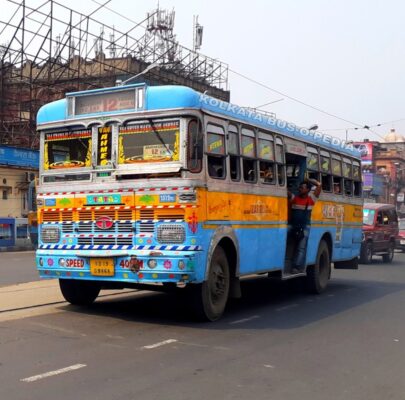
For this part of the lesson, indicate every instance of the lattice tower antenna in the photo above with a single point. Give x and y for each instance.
(197, 34)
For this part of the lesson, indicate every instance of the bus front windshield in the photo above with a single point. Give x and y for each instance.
(150, 141)
(368, 216)
(67, 149)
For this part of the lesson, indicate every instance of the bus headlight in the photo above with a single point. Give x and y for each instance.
(171, 233)
(50, 234)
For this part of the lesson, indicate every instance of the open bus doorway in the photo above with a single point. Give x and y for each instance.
(296, 172)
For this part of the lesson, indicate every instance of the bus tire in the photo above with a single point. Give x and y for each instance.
(318, 275)
(79, 293)
(366, 253)
(387, 258)
(211, 296)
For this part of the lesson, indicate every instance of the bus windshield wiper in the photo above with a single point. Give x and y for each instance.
(160, 137)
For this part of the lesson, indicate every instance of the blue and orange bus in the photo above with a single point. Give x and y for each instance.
(163, 185)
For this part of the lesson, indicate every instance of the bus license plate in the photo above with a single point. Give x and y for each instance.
(102, 266)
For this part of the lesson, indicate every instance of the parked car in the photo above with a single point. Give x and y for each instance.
(401, 235)
(380, 232)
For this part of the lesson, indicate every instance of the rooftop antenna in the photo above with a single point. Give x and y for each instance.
(112, 46)
(197, 34)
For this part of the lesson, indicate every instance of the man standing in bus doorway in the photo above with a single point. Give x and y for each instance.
(300, 219)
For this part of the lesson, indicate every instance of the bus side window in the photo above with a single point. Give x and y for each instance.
(216, 151)
(267, 172)
(281, 174)
(234, 153)
(337, 174)
(326, 176)
(249, 163)
(347, 176)
(348, 187)
(280, 162)
(195, 147)
(216, 167)
(266, 158)
(313, 163)
(357, 178)
(234, 168)
(337, 185)
(249, 170)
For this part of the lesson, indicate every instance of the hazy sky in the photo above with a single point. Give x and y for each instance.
(343, 56)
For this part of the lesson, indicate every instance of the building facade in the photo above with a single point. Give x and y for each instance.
(383, 168)
(18, 167)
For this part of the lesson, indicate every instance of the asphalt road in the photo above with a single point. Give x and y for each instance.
(277, 343)
(17, 267)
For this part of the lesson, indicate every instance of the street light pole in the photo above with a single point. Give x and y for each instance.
(147, 69)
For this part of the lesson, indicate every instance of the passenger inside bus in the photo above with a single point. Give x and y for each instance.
(215, 167)
(336, 188)
(266, 172)
(268, 176)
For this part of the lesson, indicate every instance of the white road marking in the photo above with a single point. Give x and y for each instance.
(53, 373)
(204, 346)
(153, 346)
(241, 321)
(268, 366)
(115, 337)
(58, 329)
(287, 307)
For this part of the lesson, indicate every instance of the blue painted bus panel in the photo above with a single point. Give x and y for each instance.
(178, 97)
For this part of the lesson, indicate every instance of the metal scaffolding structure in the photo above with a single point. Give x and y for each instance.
(49, 50)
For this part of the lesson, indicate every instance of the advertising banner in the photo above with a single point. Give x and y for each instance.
(366, 152)
(374, 183)
(19, 157)
(367, 180)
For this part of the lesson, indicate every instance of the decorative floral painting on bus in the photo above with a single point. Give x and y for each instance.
(149, 142)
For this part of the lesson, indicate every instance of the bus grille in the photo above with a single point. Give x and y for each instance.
(86, 215)
(117, 227)
(123, 223)
(104, 241)
(148, 218)
(67, 227)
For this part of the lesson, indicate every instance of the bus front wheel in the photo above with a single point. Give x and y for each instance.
(211, 296)
(318, 275)
(79, 293)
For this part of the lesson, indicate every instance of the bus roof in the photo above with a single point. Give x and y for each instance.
(179, 97)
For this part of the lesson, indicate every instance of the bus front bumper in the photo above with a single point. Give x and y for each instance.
(131, 267)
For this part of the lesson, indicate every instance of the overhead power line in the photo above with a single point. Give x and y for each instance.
(357, 125)
(294, 99)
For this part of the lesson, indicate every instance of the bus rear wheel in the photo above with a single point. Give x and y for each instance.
(79, 293)
(318, 275)
(211, 296)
